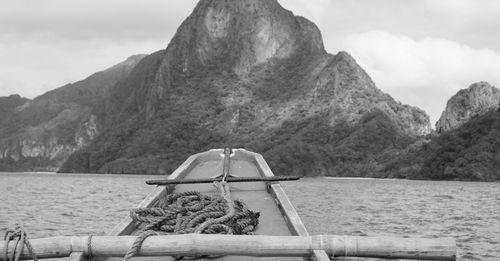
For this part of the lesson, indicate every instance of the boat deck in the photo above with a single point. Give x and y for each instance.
(254, 194)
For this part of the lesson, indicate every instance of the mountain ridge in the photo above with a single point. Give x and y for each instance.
(246, 74)
(41, 133)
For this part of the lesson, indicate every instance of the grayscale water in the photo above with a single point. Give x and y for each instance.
(82, 204)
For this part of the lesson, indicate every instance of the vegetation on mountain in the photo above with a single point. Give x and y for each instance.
(468, 152)
(313, 148)
(272, 90)
(8, 113)
(46, 130)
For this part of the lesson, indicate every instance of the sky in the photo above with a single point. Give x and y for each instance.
(421, 52)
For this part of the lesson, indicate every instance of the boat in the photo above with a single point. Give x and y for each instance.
(279, 217)
(237, 174)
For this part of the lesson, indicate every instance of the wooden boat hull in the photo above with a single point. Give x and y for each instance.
(277, 215)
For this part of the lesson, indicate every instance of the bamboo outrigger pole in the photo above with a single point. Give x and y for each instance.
(205, 244)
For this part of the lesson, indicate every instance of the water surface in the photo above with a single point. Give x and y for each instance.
(82, 204)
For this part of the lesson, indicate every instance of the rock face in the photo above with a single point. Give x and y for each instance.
(40, 134)
(244, 33)
(476, 100)
(250, 74)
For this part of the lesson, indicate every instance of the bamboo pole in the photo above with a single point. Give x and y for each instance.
(203, 244)
(212, 180)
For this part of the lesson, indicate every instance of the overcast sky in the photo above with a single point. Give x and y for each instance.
(419, 51)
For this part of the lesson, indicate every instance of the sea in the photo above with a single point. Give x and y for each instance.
(49, 204)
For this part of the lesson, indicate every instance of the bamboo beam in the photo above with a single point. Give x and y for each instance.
(203, 244)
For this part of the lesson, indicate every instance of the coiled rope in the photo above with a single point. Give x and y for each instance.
(20, 238)
(192, 212)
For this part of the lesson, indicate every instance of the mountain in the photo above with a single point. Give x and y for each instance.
(470, 151)
(249, 74)
(40, 134)
(476, 100)
(466, 146)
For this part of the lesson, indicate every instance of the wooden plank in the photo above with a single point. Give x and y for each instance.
(293, 219)
(288, 211)
(264, 168)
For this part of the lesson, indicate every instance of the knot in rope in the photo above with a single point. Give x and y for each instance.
(20, 239)
(193, 212)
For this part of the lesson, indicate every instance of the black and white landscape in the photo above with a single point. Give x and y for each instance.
(253, 74)
(386, 108)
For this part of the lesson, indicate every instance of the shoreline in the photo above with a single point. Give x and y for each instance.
(311, 177)
(363, 178)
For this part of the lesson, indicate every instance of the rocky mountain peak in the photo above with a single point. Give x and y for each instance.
(478, 99)
(242, 33)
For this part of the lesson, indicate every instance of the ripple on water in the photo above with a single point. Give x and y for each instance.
(49, 205)
(464, 210)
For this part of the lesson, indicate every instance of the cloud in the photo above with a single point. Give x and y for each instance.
(471, 22)
(465, 12)
(425, 72)
(30, 68)
(47, 44)
(112, 19)
(314, 12)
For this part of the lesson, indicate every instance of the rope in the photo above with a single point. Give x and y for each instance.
(20, 239)
(192, 212)
(136, 246)
(90, 255)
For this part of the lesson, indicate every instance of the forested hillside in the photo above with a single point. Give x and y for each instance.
(273, 90)
(40, 134)
(469, 152)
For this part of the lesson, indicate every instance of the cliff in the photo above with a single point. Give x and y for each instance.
(40, 134)
(249, 74)
(476, 100)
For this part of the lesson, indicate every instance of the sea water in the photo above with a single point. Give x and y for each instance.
(82, 204)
